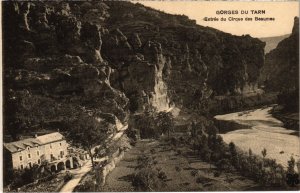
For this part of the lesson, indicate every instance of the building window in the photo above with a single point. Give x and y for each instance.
(60, 144)
(29, 155)
(29, 164)
(39, 161)
(28, 148)
(22, 167)
(50, 146)
(38, 153)
(61, 154)
(20, 158)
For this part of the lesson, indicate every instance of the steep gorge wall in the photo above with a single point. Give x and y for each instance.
(198, 62)
(281, 69)
(54, 69)
(110, 58)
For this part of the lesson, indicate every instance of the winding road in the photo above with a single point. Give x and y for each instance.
(80, 172)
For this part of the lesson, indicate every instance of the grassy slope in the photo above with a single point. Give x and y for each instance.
(168, 159)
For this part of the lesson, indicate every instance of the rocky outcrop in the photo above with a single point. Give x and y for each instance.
(112, 57)
(198, 62)
(281, 68)
(59, 65)
(139, 70)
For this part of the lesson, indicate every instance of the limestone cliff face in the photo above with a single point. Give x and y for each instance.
(111, 57)
(139, 70)
(54, 69)
(198, 62)
(281, 68)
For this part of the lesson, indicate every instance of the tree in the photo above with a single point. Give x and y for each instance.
(223, 164)
(87, 132)
(250, 152)
(298, 166)
(145, 123)
(207, 157)
(264, 152)
(147, 177)
(165, 122)
(234, 155)
(291, 165)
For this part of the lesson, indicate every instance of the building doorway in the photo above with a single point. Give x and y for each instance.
(60, 166)
(53, 168)
(68, 164)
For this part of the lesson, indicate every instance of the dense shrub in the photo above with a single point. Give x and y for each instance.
(68, 176)
(147, 127)
(165, 122)
(194, 173)
(148, 177)
(86, 186)
(20, 178)
(162, 175)
(152, 124)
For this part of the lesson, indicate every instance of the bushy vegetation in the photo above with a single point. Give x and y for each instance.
(26, 112)
(148, 177)
(88, 133)
(68, 176)
(86, 186)
(17, 178)
(152, 124)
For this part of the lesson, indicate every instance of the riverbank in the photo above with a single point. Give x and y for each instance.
(257, 129)
(290, 120)
(228, 104)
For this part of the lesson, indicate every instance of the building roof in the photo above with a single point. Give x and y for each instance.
(22, 144)
(51, 137)
(32, 142)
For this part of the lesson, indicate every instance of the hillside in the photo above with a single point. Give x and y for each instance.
(112, 59)
(281, 68)
(272, 42)
(136, 88)
(281, 73)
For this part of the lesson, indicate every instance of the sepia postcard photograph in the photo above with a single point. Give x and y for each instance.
(150, 96)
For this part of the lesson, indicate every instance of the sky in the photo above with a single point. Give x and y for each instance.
(283, 12)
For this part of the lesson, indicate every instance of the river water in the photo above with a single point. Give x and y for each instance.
(257, 130)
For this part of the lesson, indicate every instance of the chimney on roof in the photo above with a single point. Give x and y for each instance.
(57, 130)
(35, 135)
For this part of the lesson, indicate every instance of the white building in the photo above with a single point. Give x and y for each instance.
(50, 147)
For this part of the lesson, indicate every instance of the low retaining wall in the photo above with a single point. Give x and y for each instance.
(102, 172)
(105, 165)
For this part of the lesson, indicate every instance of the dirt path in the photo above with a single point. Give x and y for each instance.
(183, 180)
(78, 174)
